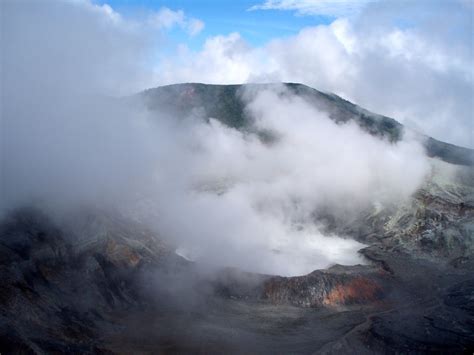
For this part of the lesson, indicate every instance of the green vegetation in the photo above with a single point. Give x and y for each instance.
(224, 103)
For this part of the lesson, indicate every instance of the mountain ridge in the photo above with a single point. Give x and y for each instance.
(225, 103)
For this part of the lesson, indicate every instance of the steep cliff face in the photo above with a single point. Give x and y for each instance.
(336, 287)
(437, 222)
(58, 288)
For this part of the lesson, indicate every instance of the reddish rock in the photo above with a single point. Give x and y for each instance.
(357, 291)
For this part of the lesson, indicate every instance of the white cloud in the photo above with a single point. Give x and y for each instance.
(334, 8)
(421, 74)
(195, 26)
(108, 11)
(222, 59)
(167, 19)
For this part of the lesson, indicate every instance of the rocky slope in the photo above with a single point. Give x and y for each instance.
(97, 282)
(58, 286)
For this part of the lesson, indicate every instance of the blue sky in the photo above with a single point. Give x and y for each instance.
(224, 17)
(407, 59)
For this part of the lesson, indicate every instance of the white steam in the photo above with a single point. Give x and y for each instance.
(221, 195)
(228, 198)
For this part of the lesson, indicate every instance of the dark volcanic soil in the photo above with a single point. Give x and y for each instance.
(107, 285)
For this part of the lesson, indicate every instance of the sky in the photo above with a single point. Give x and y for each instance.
(407, 59)
(219, 17)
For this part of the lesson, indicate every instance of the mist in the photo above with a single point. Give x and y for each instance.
(223, 197)
(234, 199)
